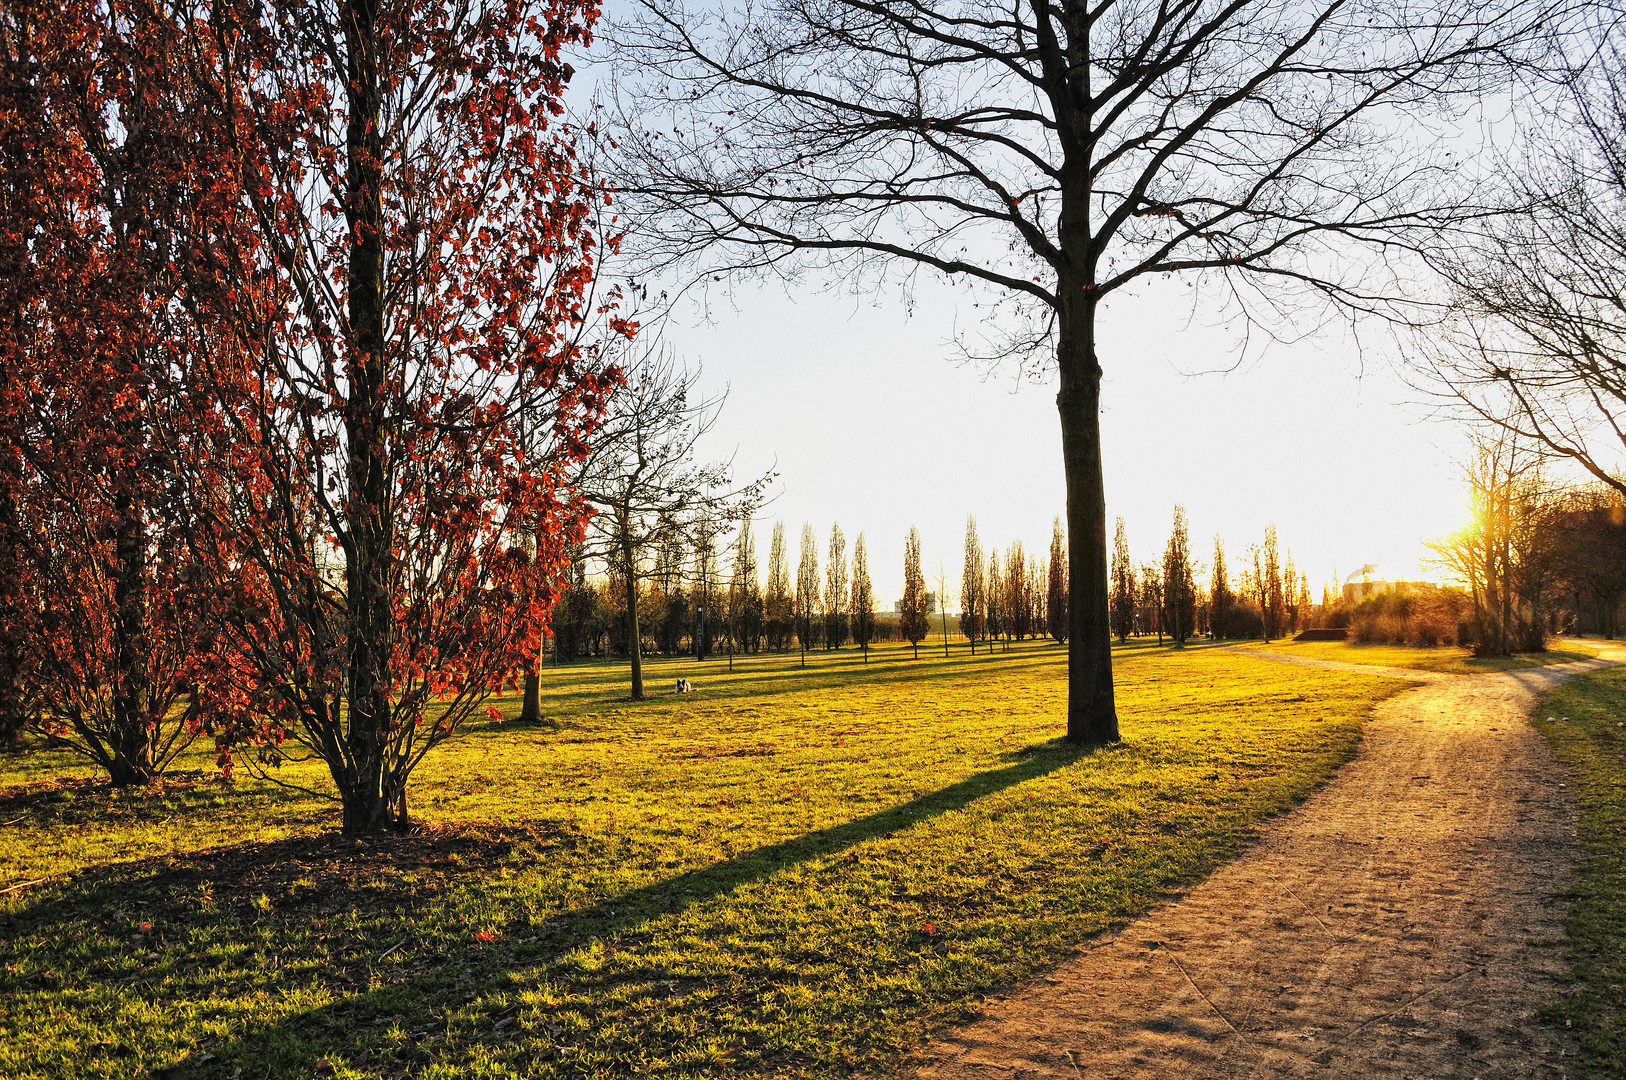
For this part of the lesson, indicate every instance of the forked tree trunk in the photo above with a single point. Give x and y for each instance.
(367, 793)
(1092, 715)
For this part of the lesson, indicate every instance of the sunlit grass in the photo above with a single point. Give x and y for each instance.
(1589, 735)
(1450, 659)
(789, 872)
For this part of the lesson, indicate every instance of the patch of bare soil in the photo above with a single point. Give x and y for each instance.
(1406, 921)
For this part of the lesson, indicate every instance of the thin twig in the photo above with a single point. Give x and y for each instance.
(23, 885)
(1311, 912)
(386, 953)
(1202, 995)
(1357, 1029)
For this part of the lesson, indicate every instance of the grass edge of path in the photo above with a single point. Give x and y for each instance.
(1587, 733)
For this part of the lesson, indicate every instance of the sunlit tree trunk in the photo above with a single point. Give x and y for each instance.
(634, 642)
(1092, 715)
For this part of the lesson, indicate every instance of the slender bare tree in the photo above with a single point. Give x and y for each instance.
(1179, 582)
(863, 599)
(1124, 595)
(914, 623)
(1220, 597)
(807, 591)
(778, 603)
(642, 476)
(835, 591)
(1056, 600)
(971, 586)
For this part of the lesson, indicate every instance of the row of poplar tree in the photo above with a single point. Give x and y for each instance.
(1025, 597)
(688, 604)
(1267, 597)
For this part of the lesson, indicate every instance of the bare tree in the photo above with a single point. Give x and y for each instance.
(1272, 601)
(1015, 585)
(1179, 582)
(1051, 155)
(1124, 595)
(994, 613)
(778, 602)
(1503, 477)
(807, 590)
(971, 586)
(1220, 597)
(835, 591)
(642, 477)
(1290, 596)
(914, 624)
(1538, 347)
(1056, 600)
(1151, 600)
(1258, 585)
(863, 614)
(745, 594)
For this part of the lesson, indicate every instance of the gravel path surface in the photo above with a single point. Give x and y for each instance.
(1406, 921)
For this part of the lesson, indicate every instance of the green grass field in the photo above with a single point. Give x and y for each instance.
(1590, 737)
(789, 872)
(1449, 659)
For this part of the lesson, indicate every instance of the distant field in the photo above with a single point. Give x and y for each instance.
(789, 873)
(1446, 658)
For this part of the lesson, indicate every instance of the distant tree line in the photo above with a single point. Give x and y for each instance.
(1266, 597)
(1023, 597)
(688, 605)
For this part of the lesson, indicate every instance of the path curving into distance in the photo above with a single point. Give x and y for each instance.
(1405, 921)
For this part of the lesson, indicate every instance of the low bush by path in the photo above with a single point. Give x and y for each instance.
(788, 872)
(1588, 733)
(1450, 659)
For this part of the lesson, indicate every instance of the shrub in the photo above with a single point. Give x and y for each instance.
(1434, 617)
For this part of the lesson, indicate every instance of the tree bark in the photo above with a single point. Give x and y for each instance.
(1092, 715)
(531, 710)
(131, 751)
(634, 650)
(369, 608)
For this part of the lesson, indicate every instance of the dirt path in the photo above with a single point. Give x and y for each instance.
(1406, 921)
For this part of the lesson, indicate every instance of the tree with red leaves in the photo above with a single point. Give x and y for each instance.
(100, 179)
(392, 312)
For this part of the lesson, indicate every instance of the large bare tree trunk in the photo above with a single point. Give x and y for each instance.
(367, 804)
(1092, 715)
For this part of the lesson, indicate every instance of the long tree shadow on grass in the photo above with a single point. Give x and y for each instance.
(719, 686)
(310, 878)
